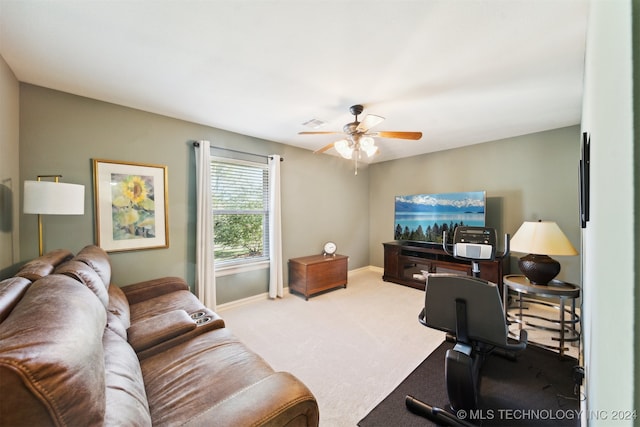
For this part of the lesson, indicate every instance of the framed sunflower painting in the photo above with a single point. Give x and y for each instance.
(130, 205)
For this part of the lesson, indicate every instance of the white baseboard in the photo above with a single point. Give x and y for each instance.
(265, 295)
(244, 301)
(372, 268)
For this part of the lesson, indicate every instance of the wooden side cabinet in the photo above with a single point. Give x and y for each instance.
(313, 274)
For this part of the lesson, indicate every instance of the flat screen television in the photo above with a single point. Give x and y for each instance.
(423, 217)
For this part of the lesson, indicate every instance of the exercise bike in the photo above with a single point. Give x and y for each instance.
(469, 309)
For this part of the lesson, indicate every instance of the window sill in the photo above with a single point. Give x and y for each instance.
(240, 268)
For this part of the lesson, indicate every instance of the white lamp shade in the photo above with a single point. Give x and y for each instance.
(541, 238)
(53, 198)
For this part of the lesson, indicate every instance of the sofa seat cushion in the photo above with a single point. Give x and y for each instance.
(214, 379)
(51, 356)
(44, 265)
(190, 378)
(126, 399)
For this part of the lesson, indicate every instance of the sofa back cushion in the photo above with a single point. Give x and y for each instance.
(96, 258)
(115, 325)
(119, 305)
(44, 265)
(11, 291)
(87, 276)
(51, 356)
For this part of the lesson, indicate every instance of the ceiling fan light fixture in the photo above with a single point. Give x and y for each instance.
(359, 138)
(367, 144)
(344, 148)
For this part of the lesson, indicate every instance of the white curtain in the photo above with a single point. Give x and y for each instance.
(205, 274)
(276, 285)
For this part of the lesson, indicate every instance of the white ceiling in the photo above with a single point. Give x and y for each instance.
(461, 72)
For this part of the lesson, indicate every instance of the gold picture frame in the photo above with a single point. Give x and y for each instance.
(131, 205)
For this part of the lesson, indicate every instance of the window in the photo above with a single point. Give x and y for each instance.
(240, 192)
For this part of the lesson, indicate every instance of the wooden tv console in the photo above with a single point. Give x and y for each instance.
(405, 261)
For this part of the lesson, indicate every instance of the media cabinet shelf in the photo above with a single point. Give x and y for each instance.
(405, 261)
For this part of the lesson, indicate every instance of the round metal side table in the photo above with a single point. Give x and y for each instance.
(556, 295)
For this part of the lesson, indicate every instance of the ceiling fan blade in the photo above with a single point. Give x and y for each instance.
(318, 133)
(323, 149)
(399, 135)
(369, 121)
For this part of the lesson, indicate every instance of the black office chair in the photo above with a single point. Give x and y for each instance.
(470, 311)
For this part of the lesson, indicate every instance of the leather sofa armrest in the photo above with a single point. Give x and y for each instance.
(157, 329)
(143, 291)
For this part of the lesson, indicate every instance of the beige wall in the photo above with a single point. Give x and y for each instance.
(529, 177)
(526, 178)
(9, 178)
(62, 133)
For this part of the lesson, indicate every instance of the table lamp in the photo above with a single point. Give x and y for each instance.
(540, 239)
(52, 198)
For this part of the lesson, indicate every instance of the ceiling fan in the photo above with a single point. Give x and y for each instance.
(358, 138)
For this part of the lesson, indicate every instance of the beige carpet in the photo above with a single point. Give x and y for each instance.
(350, 346)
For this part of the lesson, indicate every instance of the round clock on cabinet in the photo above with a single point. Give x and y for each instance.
(330, 248)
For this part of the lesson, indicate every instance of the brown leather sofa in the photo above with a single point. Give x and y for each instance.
(76, 350)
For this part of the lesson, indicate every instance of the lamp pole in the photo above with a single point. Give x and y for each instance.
(40, 243)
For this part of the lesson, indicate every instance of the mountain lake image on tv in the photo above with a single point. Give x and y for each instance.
(423, 217)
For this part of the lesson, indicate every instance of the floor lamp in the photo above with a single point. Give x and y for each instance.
(52, 198)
